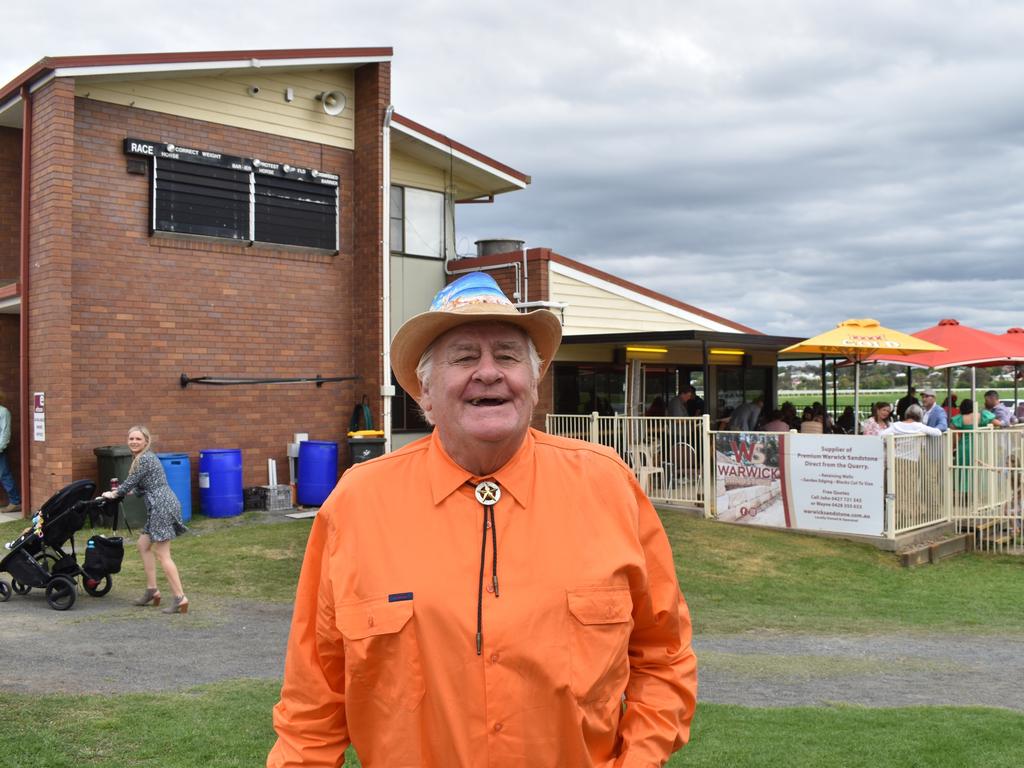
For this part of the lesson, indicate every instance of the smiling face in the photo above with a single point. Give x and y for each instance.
(137, 442)
(480, 394)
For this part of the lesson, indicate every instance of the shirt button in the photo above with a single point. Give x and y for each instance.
(497, 727)
(489, 587)
(494, 658)
(369, 621)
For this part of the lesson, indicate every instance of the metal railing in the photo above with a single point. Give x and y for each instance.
(665, 453)
(974, 479)
(987, 487)
(917, 475)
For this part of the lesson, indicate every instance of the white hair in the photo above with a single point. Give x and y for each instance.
(425, 367)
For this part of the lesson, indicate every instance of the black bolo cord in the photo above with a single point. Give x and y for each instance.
(480, 589)
(487, 493)
(494, 548)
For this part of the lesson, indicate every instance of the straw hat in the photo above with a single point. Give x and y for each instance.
(473, 298)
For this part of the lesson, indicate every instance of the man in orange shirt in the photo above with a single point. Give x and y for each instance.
(488, 596)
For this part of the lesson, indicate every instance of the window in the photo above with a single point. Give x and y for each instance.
(406, 415)
(417, 222)
(199, 192)
(397, 219)
(586, 388)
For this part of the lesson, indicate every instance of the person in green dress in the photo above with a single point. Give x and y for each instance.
(966, 421)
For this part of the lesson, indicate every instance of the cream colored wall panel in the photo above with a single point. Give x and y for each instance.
(594, 310)
(225, 100)
(406, 171)
(413, 285)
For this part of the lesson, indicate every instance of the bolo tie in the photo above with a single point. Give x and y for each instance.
(487, 493)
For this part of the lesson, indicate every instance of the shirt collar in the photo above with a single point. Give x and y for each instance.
(516, 476)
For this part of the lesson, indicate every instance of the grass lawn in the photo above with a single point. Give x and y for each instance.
(228, 725)
(739, 578)
(735, 578)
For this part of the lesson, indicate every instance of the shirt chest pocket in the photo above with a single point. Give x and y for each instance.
(382, 658)
(600, 625)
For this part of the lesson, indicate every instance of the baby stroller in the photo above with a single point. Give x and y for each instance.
(37, 558)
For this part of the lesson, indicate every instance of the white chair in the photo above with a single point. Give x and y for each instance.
(643, 466)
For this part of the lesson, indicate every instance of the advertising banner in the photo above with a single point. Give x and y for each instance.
(831, 483)
(748, 479)
(835, 483)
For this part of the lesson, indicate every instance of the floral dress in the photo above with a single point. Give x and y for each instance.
(163, 510)
(872, 427)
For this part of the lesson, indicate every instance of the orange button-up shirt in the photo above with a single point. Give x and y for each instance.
(585, 659)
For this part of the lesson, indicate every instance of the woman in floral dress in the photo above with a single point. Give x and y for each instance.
(163, 518)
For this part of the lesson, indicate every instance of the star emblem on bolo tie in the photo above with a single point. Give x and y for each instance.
(488, 493)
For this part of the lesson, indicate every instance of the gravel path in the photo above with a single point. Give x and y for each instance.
(113, 646)
(774, 669)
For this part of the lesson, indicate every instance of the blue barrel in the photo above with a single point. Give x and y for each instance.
(178, 469)
(220, 482)
(318, 471)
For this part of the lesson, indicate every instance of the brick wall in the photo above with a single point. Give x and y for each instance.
(10, 202)
(118, 315)
(373, 94)
(51, 248)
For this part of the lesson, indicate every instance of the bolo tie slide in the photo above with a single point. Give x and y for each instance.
(487, 493)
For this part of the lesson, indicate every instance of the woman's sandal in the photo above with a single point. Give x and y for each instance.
(149, 596)
(178, 605)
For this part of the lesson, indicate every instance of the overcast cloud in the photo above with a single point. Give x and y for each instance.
(786, 164)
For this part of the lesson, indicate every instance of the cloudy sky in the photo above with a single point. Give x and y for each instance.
(785, 163)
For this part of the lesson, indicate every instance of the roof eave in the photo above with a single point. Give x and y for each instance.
(513, 178)
(128, 63)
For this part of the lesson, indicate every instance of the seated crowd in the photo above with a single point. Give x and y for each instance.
(910, 415)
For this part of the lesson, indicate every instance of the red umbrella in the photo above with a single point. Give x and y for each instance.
(1014, 339)
(965, 346)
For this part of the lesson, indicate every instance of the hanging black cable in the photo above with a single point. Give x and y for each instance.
(487, 493)
(480, 589)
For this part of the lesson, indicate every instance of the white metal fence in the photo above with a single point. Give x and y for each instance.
(917, 480)
(665, 453)
(973, 479)
(986, 487)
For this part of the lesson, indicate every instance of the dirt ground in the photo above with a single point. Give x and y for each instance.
(126, 648)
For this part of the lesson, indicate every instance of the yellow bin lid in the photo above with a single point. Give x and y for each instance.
(367, 433)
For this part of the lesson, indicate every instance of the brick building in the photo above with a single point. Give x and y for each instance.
(256, 215)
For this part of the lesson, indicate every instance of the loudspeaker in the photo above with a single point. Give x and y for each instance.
(332, 102)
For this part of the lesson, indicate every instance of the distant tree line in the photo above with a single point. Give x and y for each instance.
(808, 376)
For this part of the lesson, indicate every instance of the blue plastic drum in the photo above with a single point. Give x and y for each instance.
(220, 482)
(318, 471)
(178, 469)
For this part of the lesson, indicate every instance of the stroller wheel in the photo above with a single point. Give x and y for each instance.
(19, 588)
(97, 587)
(60, 593)
(5, 591)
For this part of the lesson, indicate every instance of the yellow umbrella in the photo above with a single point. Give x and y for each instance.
(858, 339)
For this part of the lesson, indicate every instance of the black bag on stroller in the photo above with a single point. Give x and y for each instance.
(37, 559)
(103, 556)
